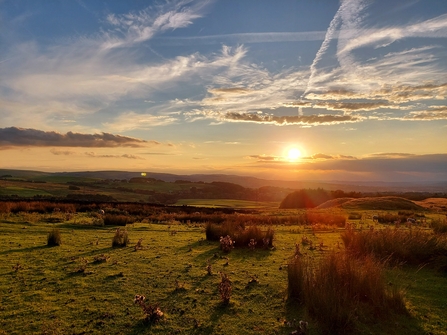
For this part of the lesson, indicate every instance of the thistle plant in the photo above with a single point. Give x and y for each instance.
(225, 288)
(139, 244)
(226, 243)
(252, 244)
(152, 313)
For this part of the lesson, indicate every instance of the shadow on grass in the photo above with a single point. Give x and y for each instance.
(26, 250)
(398, 324)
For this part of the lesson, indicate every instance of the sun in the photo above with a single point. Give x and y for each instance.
(293, 154)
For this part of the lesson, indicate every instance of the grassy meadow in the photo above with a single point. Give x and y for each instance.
(84, 286)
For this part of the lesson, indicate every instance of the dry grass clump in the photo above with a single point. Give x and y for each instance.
(439, 226)
(116, 220)
(54, 238)
(120, 239)
(413, 246)
(241, 236)
(341, 290)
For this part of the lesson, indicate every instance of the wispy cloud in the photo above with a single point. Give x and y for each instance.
(128, 156)
(389, 78)
(131, 120)
(302, 120)
(14, 136)
(137, 27)
(244, 38)
(58, 152)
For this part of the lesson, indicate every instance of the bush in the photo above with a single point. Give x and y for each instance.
(121, 238)
(341, 289)
(116, 220)
(54, 238)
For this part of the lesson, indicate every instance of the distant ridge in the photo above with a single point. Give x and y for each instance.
(245, 181)
(381, 203)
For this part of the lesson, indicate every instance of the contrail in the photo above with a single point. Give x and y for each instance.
(330, 33)
(346, 17)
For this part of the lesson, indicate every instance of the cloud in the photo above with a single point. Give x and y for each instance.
(433, 113)
(265, 158)
(303, 120)
(14, 136)
(131, 120)
(137, 27)
(129, 156)
(319, 156)
(392, 155)
(374, 69)
(390, 167)
(62, 152)
(343, 105)
(243, 38)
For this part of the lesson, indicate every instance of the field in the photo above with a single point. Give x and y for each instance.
(84, 286)
(227, 203)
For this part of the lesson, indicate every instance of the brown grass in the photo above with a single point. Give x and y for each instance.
(341, 290)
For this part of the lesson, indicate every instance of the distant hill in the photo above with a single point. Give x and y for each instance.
(245, 181)
(381, 203)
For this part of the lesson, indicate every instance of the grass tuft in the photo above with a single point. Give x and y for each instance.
(413, 246)
(120, 239)
(116, 220)
(439, 226)
(340, 290)
(54, 238)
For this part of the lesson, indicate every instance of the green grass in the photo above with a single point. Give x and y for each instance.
(22, 191)
(226, 203)
(85, 285)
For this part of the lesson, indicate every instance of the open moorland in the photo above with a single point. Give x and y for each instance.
(82, 268)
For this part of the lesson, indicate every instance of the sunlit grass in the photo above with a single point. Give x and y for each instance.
(85, 285)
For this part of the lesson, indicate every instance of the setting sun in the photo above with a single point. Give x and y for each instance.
(293, 154)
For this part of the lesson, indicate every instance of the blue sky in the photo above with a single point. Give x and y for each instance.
(358, 87)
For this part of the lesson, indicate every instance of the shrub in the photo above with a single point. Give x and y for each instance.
(340, 290)
(116, 220)
(225, 288)
(54, 238)
(120, 239)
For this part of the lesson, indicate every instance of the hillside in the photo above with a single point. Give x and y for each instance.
(378, 203)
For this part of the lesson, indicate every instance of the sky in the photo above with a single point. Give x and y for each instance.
(289, 89)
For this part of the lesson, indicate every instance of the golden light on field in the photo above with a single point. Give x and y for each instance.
(293, 154)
